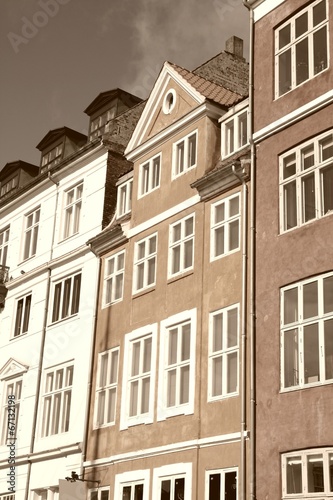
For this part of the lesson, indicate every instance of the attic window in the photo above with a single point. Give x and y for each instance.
(97, 126)
(9, 185)
(169, 102)
(52, 157)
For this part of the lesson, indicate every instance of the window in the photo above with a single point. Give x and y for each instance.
(106, 387)
(97, 125)
(234, 133)
(52, 158)
(307, 332)
(7, 497)
(124, 198)
(306, 182)
(101, 493)
(185, 154)
(181, 246)
(10, 411)
(221, 484)
(173, 482)
(150, 173)
(23, 307)
(145, 263)
(177, 360)
(73, 206)
(57, 400)
(66, 297)
(301, 48)
(46, 494)
(9, 185)
(307, 473)
(114, 278)
(139, 376)
(225, 227)
(31, 234)
(4, 241)
(133, 485)
(223, 352)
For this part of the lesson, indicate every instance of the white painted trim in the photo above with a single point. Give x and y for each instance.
(190, 202)
(265, 8)
(167, 449)
(172, 471)
(61, 451)
(132, 476)
(298, 114)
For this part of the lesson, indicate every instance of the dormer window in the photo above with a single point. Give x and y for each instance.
(9, 185)
(124, 197)
(235, 132)
(97, 125)
(52, 157)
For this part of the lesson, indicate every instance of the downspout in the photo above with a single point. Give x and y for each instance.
(42, 346)
(243, 390)
(248, 5)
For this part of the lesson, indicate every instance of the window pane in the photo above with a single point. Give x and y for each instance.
(56, 302)
(184, 384)
(311, 354)
(290, 206)
(112, 405)
(145, 395)
(291, 370)
(307, 157)
(301, 24)
(217, 376)
(66, 298)
(135, 359)
(166, 490)
(326, 148)
(234, 235)
(76, 294)
(179, 488)
(217, 332)
(119, 287)
(138, 492)
(285, 72)
(320, 50)
(186, 341)
(310, 300)
(319, 13)
(126, 493)
(152, 245)
(151, 271)
(156, 173)
(215, 487)
(114, 367)
(134, 398)
(140, 275)
(180, 157)
(230, 486)
(289, 166)
(232, 328)
(284, 36)
(219, 241)
(171, 399)
(328, 342)
(147, 355)
(232, 372)
(176, 260)
(191, 150)
(18, 321)
(309, 201)
(327, 189)
(188, 254)
(104, 495)
(173, 337)
(219, 213)
(189, 226)
(290, 302)
(328, 294)
(103, 370)
(141, 250)
(302, 58)
(26, 314)
(242, 129)
(229, 128)
(101, 407)
(234, 206)
(294, 475)
(330, 460)
(315, 472)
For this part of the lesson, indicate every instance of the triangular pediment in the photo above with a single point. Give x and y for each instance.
(12, 368)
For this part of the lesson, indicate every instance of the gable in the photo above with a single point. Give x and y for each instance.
(12, 368)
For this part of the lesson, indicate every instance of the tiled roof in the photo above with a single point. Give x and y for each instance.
(208, 89)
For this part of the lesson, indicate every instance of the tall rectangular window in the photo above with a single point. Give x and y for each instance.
(72, 210)
(149, 177)
(307, 332)
(225, 227)
(221, 484)
(4, 242)
(31, 234)
(22, 316)
(173, 482)
(114, 278)
(184, 154)
(57, 400)
(106, 387)
(124, 198)
(181, 246)
(132, 485)
(223, 352)
(306, 182)
(66, 297)
(301, 47)
(145, 257)
(235, 133)
(10, 411)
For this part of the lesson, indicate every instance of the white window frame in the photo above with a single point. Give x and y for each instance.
(72, 305)
(51, 493)
(296, 159)
(7, 496)
(148, 180)
(222, 473)
(72, 211)
(132, 478)
(163, 410)
(124, 198)
(107, 388)
(52, 157)
(226, 224)
(224, 353)
(97, 493)
(13, 385)
(4, 244)
(9, 185)
(30, 237)
(233, 132)
(181, 245)
(293, 42)
(98, 124)
(143, 263)
(22, 318)
(296, 331)
(51, 423)
(111, 279)
(172, 472)
(138, 335)
(303, 458)
(177, 169)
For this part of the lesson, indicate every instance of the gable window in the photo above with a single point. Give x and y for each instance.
(4, 241)
(184, 154)
(150, 173)
(114, 278)
(223, 352)
(9, 185)
(132, 485)
(52, 158)
(139, 376)
(31, 234)
(235, 133)
(57, 400)
(177, 364)
(301, 47)
(173, 482)
(145, 263)
(12, 390)
(181, 246)
(307, 332)
(66, 297)
(106, 387)
(124, 198)
(221, 484)
(306, 182)
(72, 210)
(225, 227)
(307, 473)
(23, 307)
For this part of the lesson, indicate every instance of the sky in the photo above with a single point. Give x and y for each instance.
(56, 56)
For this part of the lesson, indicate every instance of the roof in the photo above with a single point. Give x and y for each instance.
(120, 129)
(55, 134)
(105, 97)
(11, 167)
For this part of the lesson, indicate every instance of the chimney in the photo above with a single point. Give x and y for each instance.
(234, 45)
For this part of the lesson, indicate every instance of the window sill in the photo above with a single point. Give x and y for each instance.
(218, 257)
(68, 318)
(305, 387)
(144, 291)
(305, 224)
(180, 276)
(222, 398)
(109, 304)
(18, 336)
(176, 176)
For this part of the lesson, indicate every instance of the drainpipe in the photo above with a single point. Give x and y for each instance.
(243, 390)
(41, 355)
(248, 5)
